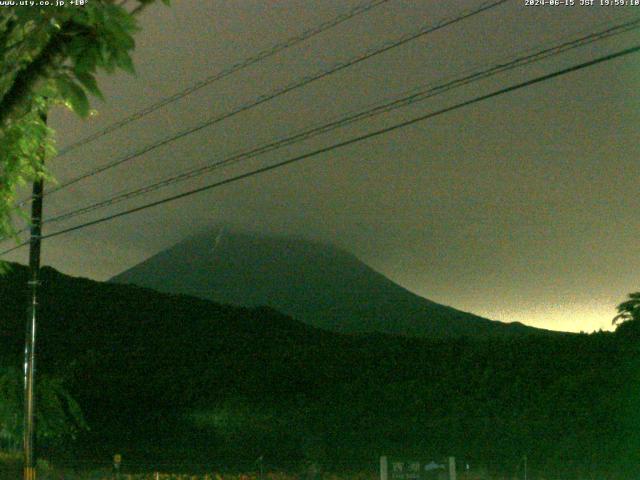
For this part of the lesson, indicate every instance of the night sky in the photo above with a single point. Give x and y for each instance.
(523, 207)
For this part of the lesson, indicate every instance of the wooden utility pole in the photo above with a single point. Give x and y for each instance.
(30, 340)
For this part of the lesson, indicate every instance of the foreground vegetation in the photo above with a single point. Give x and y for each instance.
(173, 381)
(50, 56)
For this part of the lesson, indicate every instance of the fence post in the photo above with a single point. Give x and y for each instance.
(452, 468)
(384, 468)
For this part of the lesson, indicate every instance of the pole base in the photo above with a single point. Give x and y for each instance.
(29, 473)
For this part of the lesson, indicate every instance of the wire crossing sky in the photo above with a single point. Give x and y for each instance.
(243, 176)
(415, 96)
(508, 207)
(296, 84)
(279, 47)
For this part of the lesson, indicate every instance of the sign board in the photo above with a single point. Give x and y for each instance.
(392, 468)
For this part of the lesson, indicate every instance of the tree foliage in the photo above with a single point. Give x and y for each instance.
(629, 310)
(58, 415)
(51, 56)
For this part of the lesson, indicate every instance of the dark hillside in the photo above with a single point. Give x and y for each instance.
(170, 378)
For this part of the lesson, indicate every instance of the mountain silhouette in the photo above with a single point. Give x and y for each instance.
(316, 283)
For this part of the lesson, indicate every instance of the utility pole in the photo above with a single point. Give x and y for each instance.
(30, 340)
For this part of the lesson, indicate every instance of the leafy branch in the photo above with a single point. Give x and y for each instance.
(51, 57)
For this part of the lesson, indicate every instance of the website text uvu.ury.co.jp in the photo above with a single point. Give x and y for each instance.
(42, 3)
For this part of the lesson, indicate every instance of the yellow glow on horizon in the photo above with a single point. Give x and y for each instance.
(565, 318)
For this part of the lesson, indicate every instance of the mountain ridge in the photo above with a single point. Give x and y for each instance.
(314, 282)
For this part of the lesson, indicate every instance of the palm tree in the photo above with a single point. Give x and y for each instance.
(629, 310)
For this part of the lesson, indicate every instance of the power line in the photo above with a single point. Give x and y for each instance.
(345, 143)
(247, 62)
(286, 89)
(414, 97)
(386, 107)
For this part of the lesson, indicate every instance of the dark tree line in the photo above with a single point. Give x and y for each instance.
(173, 378)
